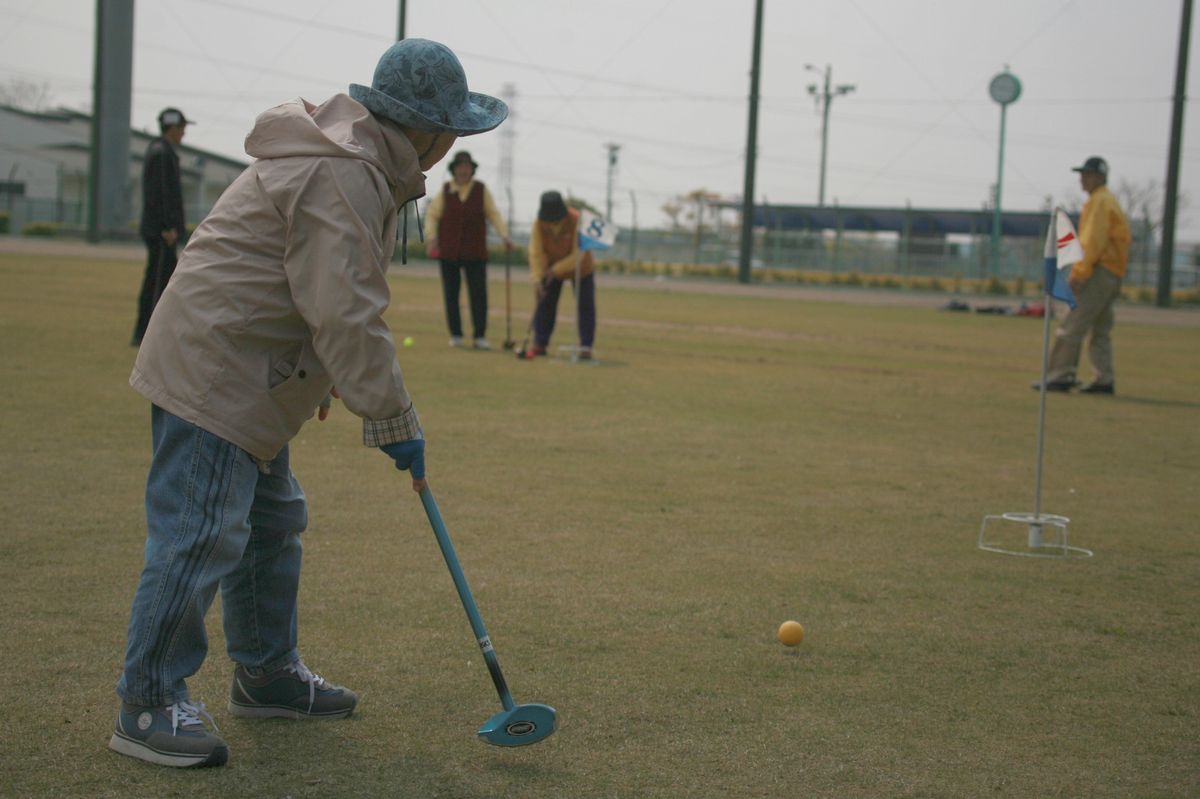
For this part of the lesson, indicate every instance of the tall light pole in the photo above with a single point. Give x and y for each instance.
(508, 93)
(1004, 89)
(824, 96)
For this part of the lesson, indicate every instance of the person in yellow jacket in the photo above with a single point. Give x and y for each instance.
(1096, 282)
(555, 257)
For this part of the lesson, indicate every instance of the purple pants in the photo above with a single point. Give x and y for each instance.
(547, 311)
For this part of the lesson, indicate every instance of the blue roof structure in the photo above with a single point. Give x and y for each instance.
(914, 221)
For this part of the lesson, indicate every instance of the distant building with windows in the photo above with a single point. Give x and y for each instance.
(44, 170)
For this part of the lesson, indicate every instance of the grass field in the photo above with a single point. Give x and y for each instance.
(634, 532)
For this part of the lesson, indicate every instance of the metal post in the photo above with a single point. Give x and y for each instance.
(824, 135)
(1047, 305)
(400, 23)
(633, 228)
(1166, 255)
(1147, 248)
(751, 151)
(996, 220)
(837, 238)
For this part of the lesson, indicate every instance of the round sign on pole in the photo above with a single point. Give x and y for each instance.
(1005, 88)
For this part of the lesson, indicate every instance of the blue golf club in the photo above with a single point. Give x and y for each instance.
(516, 725)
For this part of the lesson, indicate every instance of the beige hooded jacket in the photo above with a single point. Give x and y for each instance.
(281, 291)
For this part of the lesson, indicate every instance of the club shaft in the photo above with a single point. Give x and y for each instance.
(464, 594)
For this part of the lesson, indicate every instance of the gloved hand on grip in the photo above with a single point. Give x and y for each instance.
(408, 455)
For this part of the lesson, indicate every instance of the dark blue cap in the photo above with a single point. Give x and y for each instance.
(1094, 164)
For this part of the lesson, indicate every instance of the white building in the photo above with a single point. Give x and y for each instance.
(44, 170)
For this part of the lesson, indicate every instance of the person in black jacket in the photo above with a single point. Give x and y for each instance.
(162, 213)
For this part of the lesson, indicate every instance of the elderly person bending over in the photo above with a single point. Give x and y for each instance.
(278, 298)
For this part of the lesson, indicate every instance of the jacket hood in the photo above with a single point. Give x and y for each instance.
(338, 128)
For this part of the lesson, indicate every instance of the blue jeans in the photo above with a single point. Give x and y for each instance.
(215, 516)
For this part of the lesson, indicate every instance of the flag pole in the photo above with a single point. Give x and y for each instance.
(1060, 241)
(1035, 527)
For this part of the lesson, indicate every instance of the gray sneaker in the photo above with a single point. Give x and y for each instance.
(292, 692)
(174, 735)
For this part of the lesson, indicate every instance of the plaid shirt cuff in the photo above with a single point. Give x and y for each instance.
(405, 427)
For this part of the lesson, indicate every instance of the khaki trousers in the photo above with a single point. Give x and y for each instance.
(1094, 314)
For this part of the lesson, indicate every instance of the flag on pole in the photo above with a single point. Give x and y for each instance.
(1062, 250)
(595, 232)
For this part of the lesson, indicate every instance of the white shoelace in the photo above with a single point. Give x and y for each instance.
(184, 714)
(313, 680)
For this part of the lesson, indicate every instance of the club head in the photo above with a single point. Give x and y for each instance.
(521, 726)
(509, 344)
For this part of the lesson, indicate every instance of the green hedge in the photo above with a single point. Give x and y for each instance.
(46, 230)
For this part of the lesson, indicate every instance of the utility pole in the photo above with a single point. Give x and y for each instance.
(824, 97)
(112, 92)
(747, 247)
(400, 25)
(508, 93)
(1166, 254)
(613, 149)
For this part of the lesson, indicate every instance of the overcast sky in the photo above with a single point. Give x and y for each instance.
(668, 81)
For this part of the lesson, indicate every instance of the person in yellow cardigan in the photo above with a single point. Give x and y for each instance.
(555, 257)
(1096, 282)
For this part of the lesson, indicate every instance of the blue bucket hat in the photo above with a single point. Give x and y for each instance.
(421, 84)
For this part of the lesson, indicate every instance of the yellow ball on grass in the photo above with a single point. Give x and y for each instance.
(791, 633)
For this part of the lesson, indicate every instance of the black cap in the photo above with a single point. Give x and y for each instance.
(170, 117)
(1094, 164)
(553, 208)
(461, 157)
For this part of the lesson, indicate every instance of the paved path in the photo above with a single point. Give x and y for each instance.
(1185, 316)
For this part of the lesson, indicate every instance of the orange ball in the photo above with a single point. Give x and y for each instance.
(791, 633)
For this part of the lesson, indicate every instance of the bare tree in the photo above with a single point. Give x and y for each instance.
(699, 208)
(672, 208)
(1072, 201)
(1143, 203)
(24, 94)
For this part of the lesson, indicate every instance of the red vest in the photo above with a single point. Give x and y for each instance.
(462, 230)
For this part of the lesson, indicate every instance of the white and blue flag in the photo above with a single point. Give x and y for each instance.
(595, 232)
(1062, 250)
